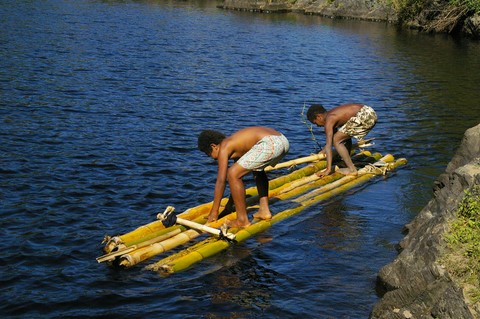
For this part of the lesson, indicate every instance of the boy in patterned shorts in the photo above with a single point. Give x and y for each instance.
(252, 149)
(341, 124)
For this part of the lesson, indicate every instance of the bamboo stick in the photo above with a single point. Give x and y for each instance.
(291, 192)
(299, 186)
(152, 229)
(135, 257)
(298, 161)
(110, 257)
(364, 176)
(181, 253)
(204, 249)
(314, 157)
(345, 179)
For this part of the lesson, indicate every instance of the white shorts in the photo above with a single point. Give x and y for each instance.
(268, 151)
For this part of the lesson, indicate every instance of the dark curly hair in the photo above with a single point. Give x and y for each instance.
(313, 110)
(208, 137)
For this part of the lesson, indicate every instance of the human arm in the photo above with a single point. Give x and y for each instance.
(328, 149)
(219, 184)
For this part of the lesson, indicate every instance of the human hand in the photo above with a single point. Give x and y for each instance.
(212, 217)
(323, 172)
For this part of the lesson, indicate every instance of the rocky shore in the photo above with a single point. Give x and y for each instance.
(416, 284)
(436, 17)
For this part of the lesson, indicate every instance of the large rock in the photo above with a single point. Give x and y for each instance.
(257, 5)
(352, 9)
(471, 27)
(356, 9)
(415, 283)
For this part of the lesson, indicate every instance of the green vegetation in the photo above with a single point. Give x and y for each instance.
(408, 9)
(473, 5)
(462, 259)
(436, 15)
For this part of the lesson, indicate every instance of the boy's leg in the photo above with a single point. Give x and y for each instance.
(344, 152)
(348, 144)
(235, 174)
(261, 180)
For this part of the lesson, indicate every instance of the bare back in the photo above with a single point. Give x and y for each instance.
(339, 115)
(243, 140)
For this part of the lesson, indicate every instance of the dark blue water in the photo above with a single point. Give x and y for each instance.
(101, 105)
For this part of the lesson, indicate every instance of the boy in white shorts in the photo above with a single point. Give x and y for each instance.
(252, 149)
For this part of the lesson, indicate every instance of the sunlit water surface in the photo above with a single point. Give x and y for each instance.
(101, 105)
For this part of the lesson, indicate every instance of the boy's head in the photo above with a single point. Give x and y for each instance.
(207, 138)
(314, 110)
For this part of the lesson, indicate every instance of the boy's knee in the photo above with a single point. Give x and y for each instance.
(338, 144)
(233, 173)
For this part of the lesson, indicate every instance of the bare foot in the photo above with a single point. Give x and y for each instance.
(348, 172)
(235, 223)
(262, 215)
(211, 219)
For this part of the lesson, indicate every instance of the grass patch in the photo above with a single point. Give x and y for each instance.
(473, 5)
(462, 258)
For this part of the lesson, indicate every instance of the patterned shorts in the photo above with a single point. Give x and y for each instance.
(268, 151)
(359, 125)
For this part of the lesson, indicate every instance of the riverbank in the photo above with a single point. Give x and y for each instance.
(433, 17)
(418, 283)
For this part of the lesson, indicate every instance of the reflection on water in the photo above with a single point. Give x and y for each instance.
(338, 230)
(101, 104)
(246, 289)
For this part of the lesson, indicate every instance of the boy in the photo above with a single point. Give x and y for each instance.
(341, 124)
(252, 149)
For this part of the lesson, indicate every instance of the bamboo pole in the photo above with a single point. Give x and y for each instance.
(204, 249)
(299, 186)
(314, 157)
(343, 180)
(365, 176)
(201, 251)
(152, 229)
(110, 257)
(298, 161)
(137, 256)
(134, 257)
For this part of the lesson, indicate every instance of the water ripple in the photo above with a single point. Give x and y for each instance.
(102, 103)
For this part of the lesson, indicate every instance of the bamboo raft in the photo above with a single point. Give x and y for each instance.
(301, 188)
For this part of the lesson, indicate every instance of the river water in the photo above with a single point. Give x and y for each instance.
(101, 106)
